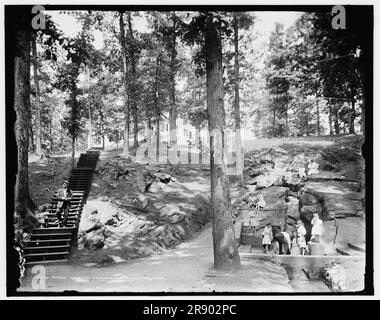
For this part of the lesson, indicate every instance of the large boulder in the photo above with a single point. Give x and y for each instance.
(268, 179)
(163, 177)
(334, 275)
(339, 198)
(141, 183)
(275, 210)
(142, 201)
(309, 210)
(308, 199)
(293, 208)
(166, 236)
(157, 187)
(92, 240)
(172, 214)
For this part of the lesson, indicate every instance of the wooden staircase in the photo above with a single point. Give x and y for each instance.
(51, 243)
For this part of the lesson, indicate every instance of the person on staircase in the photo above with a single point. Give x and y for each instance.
(64, 196)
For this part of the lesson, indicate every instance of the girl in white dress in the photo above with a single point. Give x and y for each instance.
(301, 241)
(267, 237)
(317, 230)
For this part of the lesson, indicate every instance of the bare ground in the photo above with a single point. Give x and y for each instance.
(189, 266)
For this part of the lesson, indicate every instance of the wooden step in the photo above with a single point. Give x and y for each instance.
(47, 247)
(46, 254)
(357, 247)
(74, 206)
(54, 222)
(50, 234)
(53, 216)
(51, 240)
(80, 177)
(342, 252)
(71, 214)
(76, 182)
(76, 197)
(70, 222)
(71, 208)
(73, 202)
(54, 229)
(83, 173)
(347, 251)
(31, 263)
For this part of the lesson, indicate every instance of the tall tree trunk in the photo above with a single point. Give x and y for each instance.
(132, 85)
(226, 254)
(330, 117)
(74, 115)
(286, 121)
(135, 131)
(32, 147)
(318, 120)
(199, 143)
(362, 125)
(73, 152)
(149, 133)
(239, 149)
(51, 137)
(336, 119)
(38, 99)
(352, 117)
(274, 123)
(126, 89)
(157, 107)
(173, 107)
(158, 140)
(23, 201)
(90, 138)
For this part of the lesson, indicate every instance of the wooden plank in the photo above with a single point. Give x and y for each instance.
(307, 260)
(356, 247)
(46, 254)
(31, 263)
(46, 247)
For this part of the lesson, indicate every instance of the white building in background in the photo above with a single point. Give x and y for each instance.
(186, 133)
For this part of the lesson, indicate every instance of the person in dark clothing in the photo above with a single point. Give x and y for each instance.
(64, 196)
(17, 267)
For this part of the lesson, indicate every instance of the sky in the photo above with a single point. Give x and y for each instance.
(266, 20)
(265, 23)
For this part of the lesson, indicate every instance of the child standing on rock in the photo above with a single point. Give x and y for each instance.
(267, 237)
(301, 241)
(255, 206)
(317, 230)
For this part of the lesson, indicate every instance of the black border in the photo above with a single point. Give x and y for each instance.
(367, 18)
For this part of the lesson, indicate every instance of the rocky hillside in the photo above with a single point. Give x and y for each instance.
(135, 210)
(297, 179)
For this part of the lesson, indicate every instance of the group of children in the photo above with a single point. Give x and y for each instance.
(294, 243)
(299, 244)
